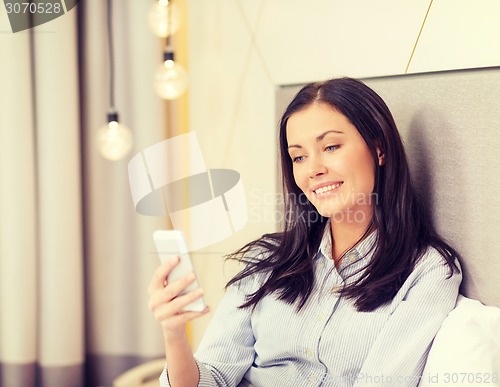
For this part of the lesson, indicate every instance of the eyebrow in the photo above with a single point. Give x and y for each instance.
(319, 138)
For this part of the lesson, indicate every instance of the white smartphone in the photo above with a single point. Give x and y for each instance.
(169, 244)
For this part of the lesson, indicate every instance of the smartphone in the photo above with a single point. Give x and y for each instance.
(169, 244)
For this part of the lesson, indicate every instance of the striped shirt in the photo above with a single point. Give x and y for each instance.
(328, 342)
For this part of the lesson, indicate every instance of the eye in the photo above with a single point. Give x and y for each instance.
(298, 159)
(331, 148)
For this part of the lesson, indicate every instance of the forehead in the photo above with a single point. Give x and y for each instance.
(316, 119)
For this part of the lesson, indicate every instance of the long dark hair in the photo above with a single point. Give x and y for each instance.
(404, 228)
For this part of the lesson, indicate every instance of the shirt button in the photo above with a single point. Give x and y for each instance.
(351, 257)
(309, 353)
(321, 317)
(335, 289)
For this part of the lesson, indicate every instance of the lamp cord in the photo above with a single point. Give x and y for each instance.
(111, 57)
(168, 41)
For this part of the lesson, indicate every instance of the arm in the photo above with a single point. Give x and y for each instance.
(182, 366)
(399, 353)
(226, 351)
(167, 309)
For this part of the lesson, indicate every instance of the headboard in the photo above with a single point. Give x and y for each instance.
(450, 124)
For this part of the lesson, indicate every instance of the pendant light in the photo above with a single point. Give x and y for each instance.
(114, 140)
(171, 79)
(164, 18)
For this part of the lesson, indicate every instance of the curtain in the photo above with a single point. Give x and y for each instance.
(41, 260)
(75, 257)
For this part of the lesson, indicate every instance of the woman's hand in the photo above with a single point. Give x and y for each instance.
(166, 306)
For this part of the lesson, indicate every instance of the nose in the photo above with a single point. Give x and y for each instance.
(316, 167)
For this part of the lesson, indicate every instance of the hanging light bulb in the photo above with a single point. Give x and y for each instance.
(114, 140)
(164, 18)
(171, 80)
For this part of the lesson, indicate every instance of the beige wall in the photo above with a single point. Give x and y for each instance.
(241, 50)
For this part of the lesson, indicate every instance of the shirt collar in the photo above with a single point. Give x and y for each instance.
(363, 250)
(325, 247)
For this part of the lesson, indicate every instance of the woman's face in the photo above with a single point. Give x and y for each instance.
(332, 164)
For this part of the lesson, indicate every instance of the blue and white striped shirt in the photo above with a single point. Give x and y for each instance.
(328, 342)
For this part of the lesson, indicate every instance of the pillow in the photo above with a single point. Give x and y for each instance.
(466, 350)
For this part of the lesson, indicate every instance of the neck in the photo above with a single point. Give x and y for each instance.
(345, 235)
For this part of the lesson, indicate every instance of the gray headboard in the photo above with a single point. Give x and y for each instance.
(450, 124)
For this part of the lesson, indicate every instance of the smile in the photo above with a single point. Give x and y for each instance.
(327, 188)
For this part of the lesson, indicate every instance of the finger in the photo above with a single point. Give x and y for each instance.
(161, 273)
(171, 291)
(174, 288)
(165, 309)
(169, 311)
(180, 302)
(187, 316)
(181, 318)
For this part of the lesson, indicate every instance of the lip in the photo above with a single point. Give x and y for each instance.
(326, 184)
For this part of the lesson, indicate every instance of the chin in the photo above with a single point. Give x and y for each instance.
(326, 212)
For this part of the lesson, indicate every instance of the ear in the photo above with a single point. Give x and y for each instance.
(381, 157)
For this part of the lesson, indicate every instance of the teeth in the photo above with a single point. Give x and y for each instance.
(327, 188)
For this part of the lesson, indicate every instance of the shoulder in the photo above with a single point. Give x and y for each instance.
(432, 261)
(431, 279)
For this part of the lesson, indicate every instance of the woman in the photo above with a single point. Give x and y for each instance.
(354, 289)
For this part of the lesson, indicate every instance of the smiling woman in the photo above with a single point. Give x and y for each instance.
(357, 272)
(333, 166)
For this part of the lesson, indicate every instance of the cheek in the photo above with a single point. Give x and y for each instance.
(363, 172)
(368, 178)
(301, 178)
(297, 176)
